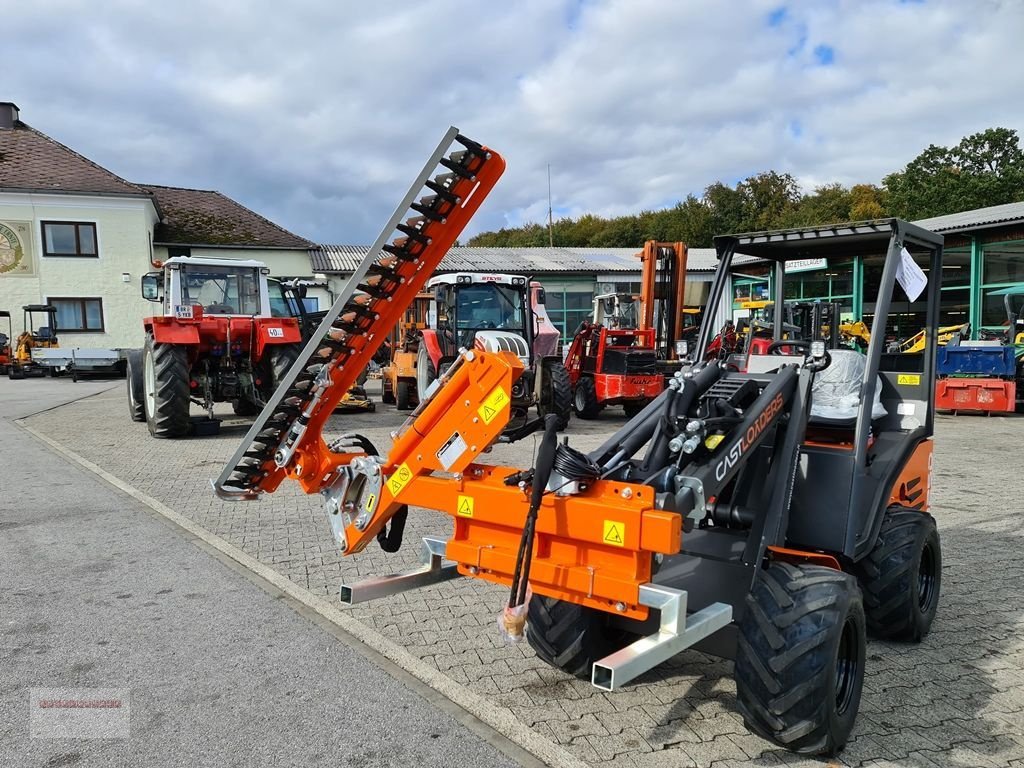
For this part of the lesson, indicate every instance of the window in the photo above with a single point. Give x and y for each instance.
(69, 238)
(79, 314)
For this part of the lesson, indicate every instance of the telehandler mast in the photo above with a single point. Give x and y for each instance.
(802, 498)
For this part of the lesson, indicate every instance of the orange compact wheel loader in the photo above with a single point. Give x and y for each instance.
(772, 516)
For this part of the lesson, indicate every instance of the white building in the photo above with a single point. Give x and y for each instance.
(79, 237)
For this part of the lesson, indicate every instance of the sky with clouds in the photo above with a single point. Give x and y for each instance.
(319, 113)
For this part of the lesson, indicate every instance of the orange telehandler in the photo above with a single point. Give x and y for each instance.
(773, 516)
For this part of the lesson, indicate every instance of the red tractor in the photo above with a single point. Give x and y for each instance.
(501, 311)
(5, 344)
(221, 337)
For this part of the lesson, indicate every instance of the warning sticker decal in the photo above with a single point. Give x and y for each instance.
(908, 379)
(399, 479)
(451, 451)
(614, 533)
(464, 508)
(493, 404)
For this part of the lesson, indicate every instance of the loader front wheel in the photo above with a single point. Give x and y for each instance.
(166, 397)
(584, 399)
(136, 388)
(570, 637)
(800, 657)
(901, 576)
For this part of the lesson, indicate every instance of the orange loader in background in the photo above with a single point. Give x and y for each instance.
(398, 376)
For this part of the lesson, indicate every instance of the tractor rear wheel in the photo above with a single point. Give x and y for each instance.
(584, 399)
(282, 358)
(167, 394)
(800, 657)
(901, 576)
(136, 388)
(403, 395)
(571, 637)
(555, 392)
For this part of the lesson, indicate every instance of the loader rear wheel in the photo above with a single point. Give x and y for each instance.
(633, 407)
(800, 657)
(136, 388)
(570, 637)
(902, 575)
(584, 399)
(166, 389)
(555, 393)
(403, 395)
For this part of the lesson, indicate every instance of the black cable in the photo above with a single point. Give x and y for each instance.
(574, 465)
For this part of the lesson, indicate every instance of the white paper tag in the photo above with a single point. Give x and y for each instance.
(910, 276)
(451, 451)
(905, 409)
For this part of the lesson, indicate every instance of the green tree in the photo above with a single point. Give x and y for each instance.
(769, 200)
(984, 169)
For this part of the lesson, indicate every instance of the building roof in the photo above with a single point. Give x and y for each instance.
(979, 218)
(526, 261)
(205, 217)
(31, 161)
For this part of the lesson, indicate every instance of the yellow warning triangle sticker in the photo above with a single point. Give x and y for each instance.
(614, 533)
(465, 506)
(488, 412)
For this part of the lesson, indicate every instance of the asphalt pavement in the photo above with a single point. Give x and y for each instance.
(215, 668)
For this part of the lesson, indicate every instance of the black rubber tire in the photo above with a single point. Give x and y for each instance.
(403, 395)
(425, 371)
(902, 576)
(584, 399)
(15, 373)
(633, 407)
(800, 657)
(555, 393)
(282, 357)
(571, 637)
(133, 377)
(171, 394)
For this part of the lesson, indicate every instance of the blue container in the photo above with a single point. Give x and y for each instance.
(976, 361)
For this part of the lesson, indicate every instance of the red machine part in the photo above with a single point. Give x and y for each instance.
(202, 331)
(987, 395)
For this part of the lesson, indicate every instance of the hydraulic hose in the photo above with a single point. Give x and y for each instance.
(657, 455)
(541, 475)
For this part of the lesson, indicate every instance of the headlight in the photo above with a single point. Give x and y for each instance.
(682, 348)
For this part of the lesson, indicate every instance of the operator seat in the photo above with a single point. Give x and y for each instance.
(835, 394)
(43, 333)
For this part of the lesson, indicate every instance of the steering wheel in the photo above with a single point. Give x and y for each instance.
(218, 309)
(487, 325)
(805, 347)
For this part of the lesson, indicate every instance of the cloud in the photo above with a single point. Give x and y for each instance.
(318, 114)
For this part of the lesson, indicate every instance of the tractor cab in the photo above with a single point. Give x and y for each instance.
(191, 287)
(1013, 302)
(495, 311)
(465, 304)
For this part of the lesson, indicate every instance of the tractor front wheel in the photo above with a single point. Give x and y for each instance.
(800, 657)
(167, 395)
(243, 406)
(901, 576)
(633, 407)
(555, 392)
(136, 387)
(403, 395)
(425, 371)
(584, 399)
(571, 637)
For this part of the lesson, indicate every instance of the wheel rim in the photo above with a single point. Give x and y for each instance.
(847, 665)
(580, 398)
(926, 578)
(149, 384)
